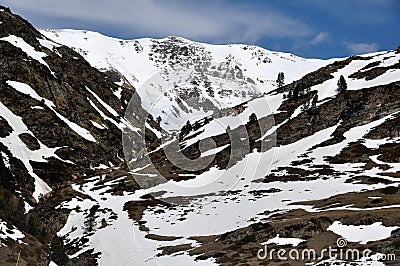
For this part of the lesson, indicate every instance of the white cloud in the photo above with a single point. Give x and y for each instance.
(321, 37)
(207, 20)
(361, 48)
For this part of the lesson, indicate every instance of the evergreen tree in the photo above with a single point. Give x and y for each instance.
(186, 129)
(296, 92)
(253, 118)
(280, 81)
(341, 85)
(158, 119)
(313, 108)
(196, 125)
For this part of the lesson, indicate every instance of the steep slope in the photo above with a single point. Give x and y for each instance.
(61, 120)
(216, 77)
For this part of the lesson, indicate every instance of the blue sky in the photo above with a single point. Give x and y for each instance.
(309, 28)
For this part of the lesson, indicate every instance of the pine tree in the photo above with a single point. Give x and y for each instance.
(341, 85)
(210, 92)
(296, 91)
(280, 81)
(253, 118)
(186, 129)
(158, 119)
(196, 125)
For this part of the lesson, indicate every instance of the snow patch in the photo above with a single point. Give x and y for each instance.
(99, 126)
(20, 151)
(282, 241)
(6, 160)
(26, 89)
(362, 233)
(27, 48)
(13, 233)
(48, 44)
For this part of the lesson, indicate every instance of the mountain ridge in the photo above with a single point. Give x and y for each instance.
(241, 64)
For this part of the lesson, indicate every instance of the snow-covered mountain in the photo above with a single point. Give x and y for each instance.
(301, 165)
(216, 76)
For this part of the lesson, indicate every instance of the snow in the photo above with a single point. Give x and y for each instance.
(371, 197)
(19, 150)
(215, 207)
(121, 125)
(26, 89)
(214, 151)
(48, 44)
(262, 107)
(352, 135)
(281, 241)
(155, 131)
(27, 48)
(328, 88)
(99, 126)
(27, 207)
(37, 107)
(6, 160)
(120, 243)
(375, 143)
(118, 93)
(105, 105)
(12, 233)
(164, 142)
(362, 233)
(373, 260)
(106, 53)
(124, 123)
(84, 133)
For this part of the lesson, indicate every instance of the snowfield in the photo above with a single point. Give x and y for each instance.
(236, 72)
(206, 197)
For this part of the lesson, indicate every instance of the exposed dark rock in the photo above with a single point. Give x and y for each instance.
(30, 141)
